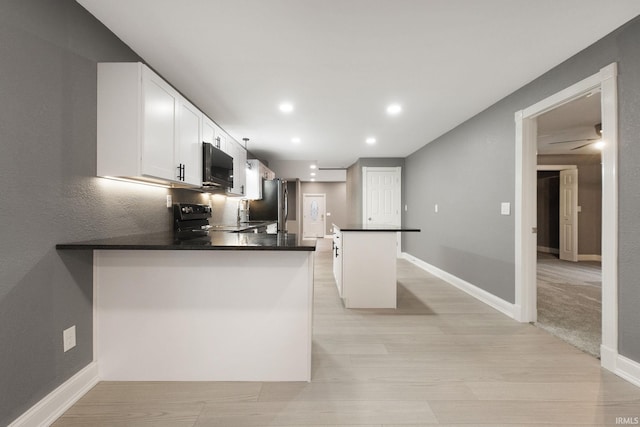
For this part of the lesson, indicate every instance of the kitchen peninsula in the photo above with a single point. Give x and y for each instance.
(364, 264)
(222, 307)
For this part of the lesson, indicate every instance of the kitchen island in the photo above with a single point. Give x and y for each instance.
(364, 264)
(222, 307)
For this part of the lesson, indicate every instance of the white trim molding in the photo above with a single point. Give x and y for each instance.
(53, 405)
(491, 300)
(525, 221)
(589, 257)
(628, 369)
(548, 250)
(555, 167)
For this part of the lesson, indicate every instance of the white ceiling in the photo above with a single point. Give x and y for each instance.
(341, 62)
(570, 128)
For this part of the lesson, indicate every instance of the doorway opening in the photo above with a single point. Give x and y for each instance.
(568, 267)
(526, 218)
(313, 215)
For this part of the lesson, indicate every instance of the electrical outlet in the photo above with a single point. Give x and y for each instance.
(69, 338)
(169, 201)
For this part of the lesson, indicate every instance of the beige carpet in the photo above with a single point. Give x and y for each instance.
(569, 301)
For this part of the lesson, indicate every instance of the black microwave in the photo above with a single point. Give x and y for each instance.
(217, 167)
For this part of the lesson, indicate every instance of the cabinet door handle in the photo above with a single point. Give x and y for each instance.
(184, 174)
(180, 172)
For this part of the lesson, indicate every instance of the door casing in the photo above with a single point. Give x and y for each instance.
(525, 219)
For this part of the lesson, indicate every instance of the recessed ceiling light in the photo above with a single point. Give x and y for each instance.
(370, 141)
(286, 107)
(394, 109)
(295, 140)
(599, 145)
(313, 179)
(312, 166)
(313, 174)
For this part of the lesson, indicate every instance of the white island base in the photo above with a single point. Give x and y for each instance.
(365, 268)
(210, 315)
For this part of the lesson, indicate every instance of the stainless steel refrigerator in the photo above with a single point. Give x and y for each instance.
(273, 205)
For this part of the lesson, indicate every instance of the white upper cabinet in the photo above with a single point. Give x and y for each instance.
(159, 118)
(221, 140)
(212, 134)
(239, 155)
(208, 130)
(189, 147)
(256, 173)
(146, 130)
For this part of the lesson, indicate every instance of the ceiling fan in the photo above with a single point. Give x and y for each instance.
(598, 128)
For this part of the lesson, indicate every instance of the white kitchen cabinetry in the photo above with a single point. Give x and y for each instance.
(337, 258)
(208, 130)
(221, 140)
(146, 130)
(256, 173)
(365, 267)
(190, 142)
(239, 155)
(212, 134)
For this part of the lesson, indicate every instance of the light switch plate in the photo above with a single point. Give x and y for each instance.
(505, 208)
(435, 208)
(69, 338)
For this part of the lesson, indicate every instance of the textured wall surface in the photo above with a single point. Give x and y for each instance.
(336, 200)
(470, 170)
(354, 184)
(49, 50)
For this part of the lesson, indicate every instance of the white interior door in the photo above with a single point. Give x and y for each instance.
(381, 204)
(569, 215)
(313, 215)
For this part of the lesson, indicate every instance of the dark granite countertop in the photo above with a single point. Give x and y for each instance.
(369, 227)
(214, 241)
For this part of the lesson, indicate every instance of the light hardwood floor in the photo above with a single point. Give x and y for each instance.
(441, 358)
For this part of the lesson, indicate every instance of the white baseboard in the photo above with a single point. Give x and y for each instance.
(52, 406)
(628, 369)
(588, 257)
(548, 250)
(476, 292)
(608, 358)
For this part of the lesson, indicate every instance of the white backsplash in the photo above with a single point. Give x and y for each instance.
(224, 210)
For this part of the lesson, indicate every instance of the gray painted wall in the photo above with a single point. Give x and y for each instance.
(354, 183)
(336, 200)
(50, 195)
(589, 199)
(470, 170)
